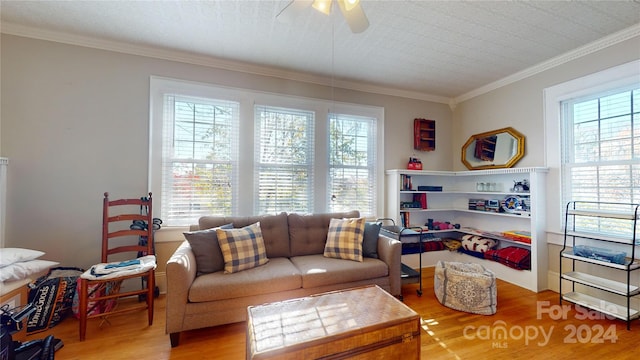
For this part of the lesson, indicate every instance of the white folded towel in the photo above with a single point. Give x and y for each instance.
(120, 268)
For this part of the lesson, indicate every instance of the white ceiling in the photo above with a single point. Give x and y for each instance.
(443, 49)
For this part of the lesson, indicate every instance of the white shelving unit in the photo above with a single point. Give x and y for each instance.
(452, 204)
(607, 250)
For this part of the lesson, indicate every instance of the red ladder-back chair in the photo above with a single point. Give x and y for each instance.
(118, 237)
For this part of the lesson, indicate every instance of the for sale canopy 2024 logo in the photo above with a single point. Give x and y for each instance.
(500, 333)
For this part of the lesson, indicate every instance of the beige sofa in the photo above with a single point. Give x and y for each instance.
(294, 245)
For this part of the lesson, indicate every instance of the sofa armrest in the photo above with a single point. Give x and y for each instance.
(390, 251)
(181, 271)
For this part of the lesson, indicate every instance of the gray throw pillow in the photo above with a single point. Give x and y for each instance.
(370, 241)
(206, 249)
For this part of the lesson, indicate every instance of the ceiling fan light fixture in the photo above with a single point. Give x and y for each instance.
(324, 6)
(350, 9)
(350, 4)
(356, 18)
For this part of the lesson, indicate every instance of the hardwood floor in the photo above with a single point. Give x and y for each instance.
(533, 323)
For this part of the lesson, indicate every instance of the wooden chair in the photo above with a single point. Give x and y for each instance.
(118, 237)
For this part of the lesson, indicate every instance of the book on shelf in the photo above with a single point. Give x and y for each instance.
(518, 235)
(406, 219)
(406, 182)
(420, 198)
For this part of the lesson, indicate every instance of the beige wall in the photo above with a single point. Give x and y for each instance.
(520, 104)
(75, 124)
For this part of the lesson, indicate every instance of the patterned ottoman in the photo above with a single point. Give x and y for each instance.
(466, 287)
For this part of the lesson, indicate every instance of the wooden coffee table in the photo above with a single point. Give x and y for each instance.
(359, 323)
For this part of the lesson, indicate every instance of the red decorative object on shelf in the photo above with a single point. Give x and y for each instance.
(414, 164)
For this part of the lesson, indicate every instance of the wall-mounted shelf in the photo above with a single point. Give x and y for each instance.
(424, 134)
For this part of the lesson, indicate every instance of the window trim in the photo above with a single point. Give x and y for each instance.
(615, 77)
(158, 86)
(247, 98)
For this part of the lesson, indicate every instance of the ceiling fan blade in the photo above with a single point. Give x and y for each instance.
(355, 17)
(293, 10)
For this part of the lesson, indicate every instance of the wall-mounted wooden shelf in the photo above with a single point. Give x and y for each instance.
(424, 134)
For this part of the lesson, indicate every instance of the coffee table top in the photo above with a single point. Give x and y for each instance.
(303, 320)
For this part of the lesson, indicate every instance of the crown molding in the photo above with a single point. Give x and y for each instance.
(213, 62)
(590, 48)
(208, 61)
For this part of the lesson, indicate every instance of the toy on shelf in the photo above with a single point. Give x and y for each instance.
(440, 225)
(520, 186)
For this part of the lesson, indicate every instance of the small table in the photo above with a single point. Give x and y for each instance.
(357, 323)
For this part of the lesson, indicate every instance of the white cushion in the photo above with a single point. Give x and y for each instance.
(9, 256)
(23, 270)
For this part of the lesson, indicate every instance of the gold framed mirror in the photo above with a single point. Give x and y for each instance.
(495, 149)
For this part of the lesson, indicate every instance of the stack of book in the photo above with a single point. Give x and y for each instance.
(517, 235)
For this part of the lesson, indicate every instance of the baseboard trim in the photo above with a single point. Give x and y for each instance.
(553, 282)
(161, 282)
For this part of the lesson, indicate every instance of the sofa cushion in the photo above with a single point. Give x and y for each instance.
(370, 240)
(243, 248)
(344, 239)
(318, 270)
(278, 274)
(205, 247)
(308, 233)
(275, 229)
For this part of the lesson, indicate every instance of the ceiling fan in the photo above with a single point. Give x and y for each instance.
(351, 10)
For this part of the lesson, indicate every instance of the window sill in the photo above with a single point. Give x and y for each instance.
(170, 234)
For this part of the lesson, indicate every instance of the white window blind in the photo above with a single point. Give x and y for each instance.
(199, 157)
(218, 150)
(352, 164)
(601, 153)
(284, 160)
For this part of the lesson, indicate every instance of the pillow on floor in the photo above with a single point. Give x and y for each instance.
(205, 247)
(242, 248)
(344, 240)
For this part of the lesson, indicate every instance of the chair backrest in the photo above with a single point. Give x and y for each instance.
(131, 222)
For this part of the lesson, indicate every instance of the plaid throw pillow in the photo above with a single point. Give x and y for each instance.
(344, 240)
(242, 248)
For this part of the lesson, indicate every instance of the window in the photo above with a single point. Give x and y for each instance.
(585, 126)
(197, 158)
(601, 157)
(284, 160)
(225, 151)
(352, 163)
